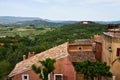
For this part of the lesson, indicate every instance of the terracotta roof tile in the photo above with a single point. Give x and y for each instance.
(82, 56)
(56, 53)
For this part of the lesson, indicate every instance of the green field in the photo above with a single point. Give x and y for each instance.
(23, 31)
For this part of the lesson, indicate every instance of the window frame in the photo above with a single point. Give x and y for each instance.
(58, 75)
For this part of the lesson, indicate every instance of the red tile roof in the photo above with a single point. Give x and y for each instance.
(82, 56)
(56, 53)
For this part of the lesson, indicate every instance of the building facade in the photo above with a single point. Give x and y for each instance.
(66, 55)
(111, 50)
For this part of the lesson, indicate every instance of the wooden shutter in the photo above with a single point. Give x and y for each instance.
(118, 52)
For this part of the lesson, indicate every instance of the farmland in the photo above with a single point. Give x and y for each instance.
(23, 31)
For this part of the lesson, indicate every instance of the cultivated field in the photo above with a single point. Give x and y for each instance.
(23, 31)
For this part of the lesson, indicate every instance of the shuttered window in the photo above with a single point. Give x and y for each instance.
(118, 52)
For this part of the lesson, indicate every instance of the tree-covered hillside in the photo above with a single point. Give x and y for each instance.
(15, 47)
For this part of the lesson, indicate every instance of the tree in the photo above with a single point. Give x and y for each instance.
(46, 69)
(91, 70)
(101, 69)
(4, 68)
(83, 68)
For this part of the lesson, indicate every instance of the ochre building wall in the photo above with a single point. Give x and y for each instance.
(80, 48)
(62, 66)
(32, 76)
(110, 56)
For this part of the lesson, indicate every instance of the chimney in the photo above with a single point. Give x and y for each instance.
(30, 55)
(24, 57)
(33, 53)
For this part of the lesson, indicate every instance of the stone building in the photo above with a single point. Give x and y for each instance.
(111, 50)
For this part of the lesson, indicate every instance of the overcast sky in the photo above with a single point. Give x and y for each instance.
(100, 10)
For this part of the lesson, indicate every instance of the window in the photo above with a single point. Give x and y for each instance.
(118, 52)
(58, 76)
(25, 77)
(80, 48)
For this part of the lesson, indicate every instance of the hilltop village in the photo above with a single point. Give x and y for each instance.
(103, 48)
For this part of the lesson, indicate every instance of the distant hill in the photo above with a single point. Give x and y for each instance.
(108, 22)
(11, 19)
(40, 21)
(66, 22)
(46, 22)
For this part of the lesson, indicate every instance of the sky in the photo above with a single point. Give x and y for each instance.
(93, 10)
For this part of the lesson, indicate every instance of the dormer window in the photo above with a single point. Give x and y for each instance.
(118, 52)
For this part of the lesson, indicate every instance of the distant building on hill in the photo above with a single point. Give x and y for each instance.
(86, 22)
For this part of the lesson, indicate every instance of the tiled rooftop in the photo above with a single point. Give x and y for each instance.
(112, 34)
(82, 56)
(56, 53)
